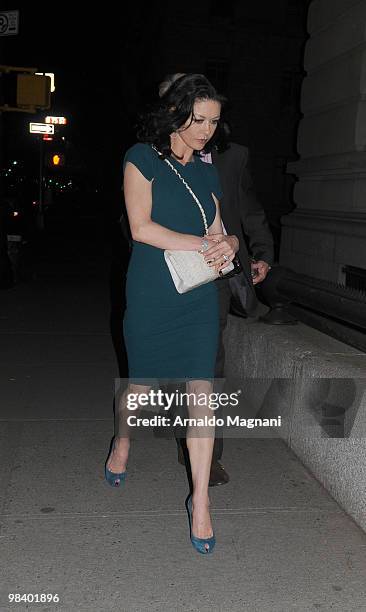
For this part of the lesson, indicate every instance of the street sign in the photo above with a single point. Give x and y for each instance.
(9, 23)
(41, 128)
(52, 77)
(56, 120)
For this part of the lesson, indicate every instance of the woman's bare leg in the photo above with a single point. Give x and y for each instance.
(200, 441)
(117, 461)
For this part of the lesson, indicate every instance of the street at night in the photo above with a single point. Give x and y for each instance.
(285, 543)
(182, 213)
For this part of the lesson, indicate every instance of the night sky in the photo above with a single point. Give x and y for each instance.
(88, 71)
(96, 82)
(108, 63)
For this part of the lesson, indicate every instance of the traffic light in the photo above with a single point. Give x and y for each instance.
(24, 90)
(55, 160)
(33, 91)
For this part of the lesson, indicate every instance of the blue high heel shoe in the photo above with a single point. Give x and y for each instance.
(114, 479)
(199, 544)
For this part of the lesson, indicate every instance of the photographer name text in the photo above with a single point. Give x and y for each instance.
(206, 421)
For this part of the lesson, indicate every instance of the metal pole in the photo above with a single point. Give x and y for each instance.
(40, 220)
(6, 270)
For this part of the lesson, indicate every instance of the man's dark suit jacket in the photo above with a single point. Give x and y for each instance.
(241, 212)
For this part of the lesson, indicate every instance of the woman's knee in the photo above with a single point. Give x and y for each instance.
(199, 392)
(135, 394)
(130, 398)
(198, 387)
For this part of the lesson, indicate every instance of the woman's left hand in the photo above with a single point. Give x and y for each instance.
(220, 255)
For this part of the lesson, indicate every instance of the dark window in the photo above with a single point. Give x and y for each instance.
(217, 71)
(355, 278)
(222, 8)
(290, 90)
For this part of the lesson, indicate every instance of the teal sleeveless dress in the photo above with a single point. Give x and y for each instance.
(169, 335)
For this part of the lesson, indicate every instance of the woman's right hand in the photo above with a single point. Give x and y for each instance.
(222, 252)
(209, 244)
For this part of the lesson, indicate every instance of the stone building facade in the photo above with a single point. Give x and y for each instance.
(325, 236)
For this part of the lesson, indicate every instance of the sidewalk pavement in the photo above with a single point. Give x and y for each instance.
(283, 544)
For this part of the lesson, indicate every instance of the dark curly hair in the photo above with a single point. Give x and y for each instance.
(174, 109)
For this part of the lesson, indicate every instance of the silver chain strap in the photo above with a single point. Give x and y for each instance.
(190, 191)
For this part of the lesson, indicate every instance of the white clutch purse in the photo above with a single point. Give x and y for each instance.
(189, 269)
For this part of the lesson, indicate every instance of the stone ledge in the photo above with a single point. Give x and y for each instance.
(352, 162)
(343, 223)
(318, 386)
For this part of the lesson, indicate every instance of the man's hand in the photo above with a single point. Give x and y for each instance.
(260, 269)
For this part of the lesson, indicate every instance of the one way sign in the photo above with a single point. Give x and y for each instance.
(41, 128)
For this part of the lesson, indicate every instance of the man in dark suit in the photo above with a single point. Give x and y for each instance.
(244, 217)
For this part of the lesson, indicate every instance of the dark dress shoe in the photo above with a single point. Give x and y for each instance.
(218, 474)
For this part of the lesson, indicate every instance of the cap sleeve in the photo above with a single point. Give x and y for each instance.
(141, 156)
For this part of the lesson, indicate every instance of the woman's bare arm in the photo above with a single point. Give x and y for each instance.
(225, 245)
(138, 197)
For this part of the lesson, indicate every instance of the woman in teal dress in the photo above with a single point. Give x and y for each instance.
(170, 335)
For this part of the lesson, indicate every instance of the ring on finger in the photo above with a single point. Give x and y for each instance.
(225, 257)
